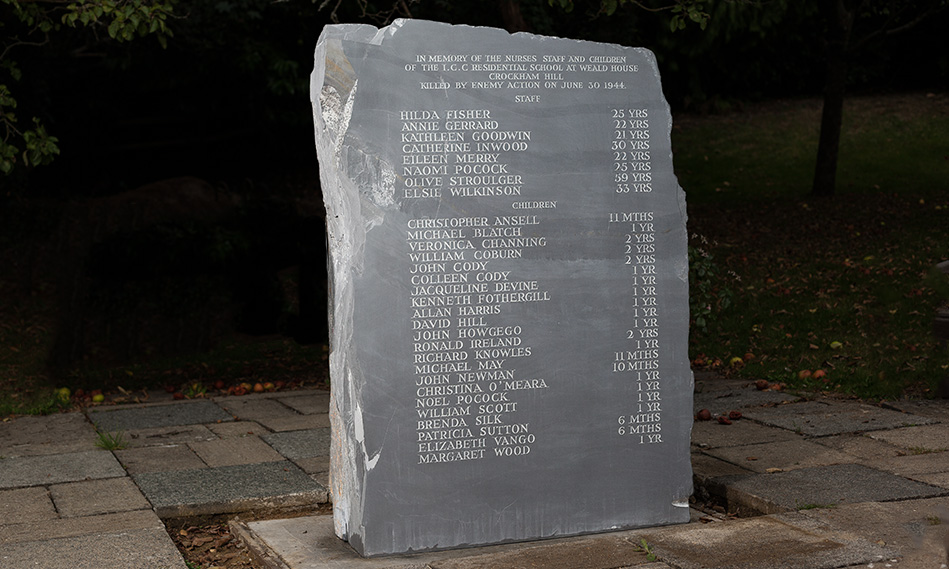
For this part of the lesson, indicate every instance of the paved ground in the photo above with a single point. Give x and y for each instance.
(820, 484)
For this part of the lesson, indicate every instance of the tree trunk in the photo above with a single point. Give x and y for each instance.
(511, 15)
(839, 18)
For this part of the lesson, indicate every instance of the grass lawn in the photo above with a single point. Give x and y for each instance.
(845, 284)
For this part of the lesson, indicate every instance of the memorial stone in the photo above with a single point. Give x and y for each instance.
(509, 307)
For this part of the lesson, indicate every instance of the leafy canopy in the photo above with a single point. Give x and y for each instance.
(31, 23)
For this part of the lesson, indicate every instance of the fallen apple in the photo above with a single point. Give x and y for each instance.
(98, 398)
(258, 388)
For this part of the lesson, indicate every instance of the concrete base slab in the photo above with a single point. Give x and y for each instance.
(56, 468)
(182, 413)
(771, 541)
(823, 418)
(262, 486)
(825, 486)
(310, 543)
(128, 549)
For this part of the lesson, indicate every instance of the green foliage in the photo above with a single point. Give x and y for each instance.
(111, 441)
(708, 296)
(33, 22)
(683, 11)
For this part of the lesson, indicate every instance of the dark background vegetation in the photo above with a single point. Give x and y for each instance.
(227, 102)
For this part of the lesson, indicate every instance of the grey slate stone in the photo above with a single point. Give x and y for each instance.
(134, 418)
(56, 468)
(556, 237)
(822, 418)
(268, 485)
(830, 485)
(301, 444)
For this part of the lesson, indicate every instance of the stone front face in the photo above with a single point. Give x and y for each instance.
(509, 312)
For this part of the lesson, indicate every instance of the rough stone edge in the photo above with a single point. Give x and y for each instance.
(721, 487)
(274, 504)
(260, 552)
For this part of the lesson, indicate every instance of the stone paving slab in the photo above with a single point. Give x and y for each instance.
(265, 485)
(301, 444)
(237, 429)
(309, 543)
(159, 459)
(50, 434)
(912, 465)
(151, 416)
(917, 529)
(298, 423)
(827, 485)
(72, 527)
(26, 505)
(254, 409)
(860, 446)
(786, 455)
(712, 434)
(233, 451)
(56, 468)
(937, 409)
(162, 436)
(313, 403)
(784, 542)
(92, 497)
(823, 418)
(929, 438)
(128, 549)
(940, 479)
(719, 402)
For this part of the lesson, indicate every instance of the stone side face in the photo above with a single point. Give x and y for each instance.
(509, 306)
